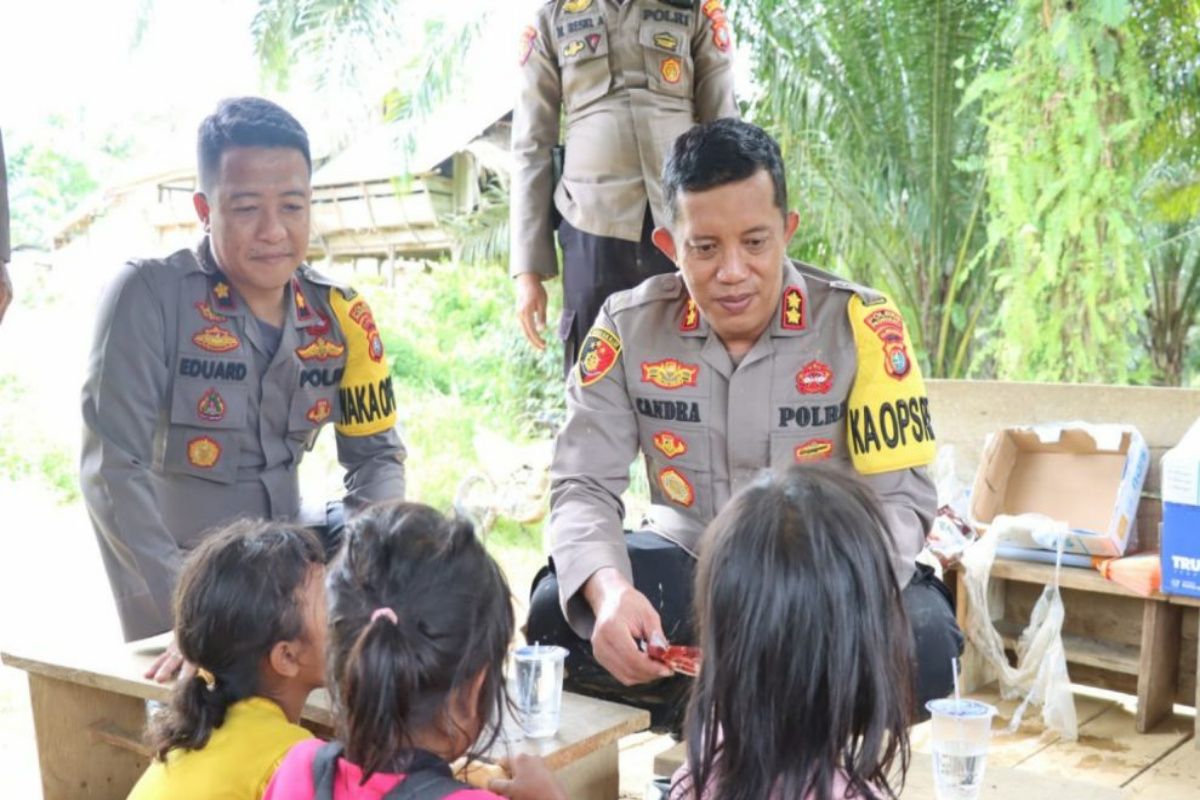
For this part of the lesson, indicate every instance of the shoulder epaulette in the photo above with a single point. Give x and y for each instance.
(313, 276)
(868, 295)
(668, 286)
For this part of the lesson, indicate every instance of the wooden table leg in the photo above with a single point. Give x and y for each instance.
(596, 776)
(76, 761)
(1158, 662)
(976, 672)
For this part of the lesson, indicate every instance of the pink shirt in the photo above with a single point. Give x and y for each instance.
(294, 779)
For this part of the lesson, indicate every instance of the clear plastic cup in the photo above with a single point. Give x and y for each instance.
(961, 732)
(539, 680)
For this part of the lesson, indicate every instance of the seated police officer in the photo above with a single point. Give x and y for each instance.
(213, 370)
(743, 360)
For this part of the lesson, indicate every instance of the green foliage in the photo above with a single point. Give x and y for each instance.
(51, 169)
(29, 457)
(866, 101)
(1063, 120)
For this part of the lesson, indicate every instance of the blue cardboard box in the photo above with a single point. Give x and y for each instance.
(1181, 549)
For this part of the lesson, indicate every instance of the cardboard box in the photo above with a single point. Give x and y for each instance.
(1088, 476)
(1181, 516)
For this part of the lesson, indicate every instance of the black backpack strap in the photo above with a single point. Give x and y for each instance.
(427, 778)
(324, 769)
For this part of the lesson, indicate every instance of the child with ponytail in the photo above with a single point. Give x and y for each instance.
(420, 620)
(250, 615)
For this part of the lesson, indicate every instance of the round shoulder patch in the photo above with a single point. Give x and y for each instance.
(598, 354)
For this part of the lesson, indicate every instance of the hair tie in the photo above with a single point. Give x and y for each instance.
(210, 680)
(387, 613)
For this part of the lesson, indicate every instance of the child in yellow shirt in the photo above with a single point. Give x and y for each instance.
(250, 615)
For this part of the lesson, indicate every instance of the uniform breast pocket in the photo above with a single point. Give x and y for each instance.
(686, 489)
(586, 74)
(668, 59)
(204, 424)
(309, 410)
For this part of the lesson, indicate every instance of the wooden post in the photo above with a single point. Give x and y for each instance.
(976, 672)
(1158, 662)
(77, 749)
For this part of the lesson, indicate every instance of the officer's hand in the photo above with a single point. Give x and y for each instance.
(531, 307)
(169, 663)
(531, 780)
(623, 616)
(6, 290)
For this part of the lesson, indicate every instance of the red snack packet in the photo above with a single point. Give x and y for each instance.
(681, 658)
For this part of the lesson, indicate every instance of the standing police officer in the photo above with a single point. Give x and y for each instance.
(631, 75)
(213, 370)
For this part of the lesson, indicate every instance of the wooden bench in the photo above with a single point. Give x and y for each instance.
(89, 711)
(1113, 638)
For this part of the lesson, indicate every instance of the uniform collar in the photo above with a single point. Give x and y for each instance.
(224, 299)
(792, 314)
(791, 317)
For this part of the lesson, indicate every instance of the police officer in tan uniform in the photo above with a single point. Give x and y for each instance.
(213, 370)
(631, 75)
(6, 291)
(743, 360)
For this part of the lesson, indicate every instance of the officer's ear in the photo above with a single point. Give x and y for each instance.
(200, 202)
(664, 241)
(790, 223)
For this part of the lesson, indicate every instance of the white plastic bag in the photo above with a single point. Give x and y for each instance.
(1040, 676)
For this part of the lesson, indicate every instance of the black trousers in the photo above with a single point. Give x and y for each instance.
(332, 532)
(663, 572)
(595, 267)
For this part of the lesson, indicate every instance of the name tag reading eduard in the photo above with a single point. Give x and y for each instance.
(887, 420)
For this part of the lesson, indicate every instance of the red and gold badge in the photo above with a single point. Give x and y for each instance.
(691, 316)
(203, 452)
(669, 373)
(360, 312)
(319, 412)
(813, 450)
(303, 312)
(320, 349)
(791, 310)
(208, 314)
(224, 296)
(671, 69)
(715, 11)
(211, 407)
(216, 339)
(598, 355)
(528, 37)
(889, 327)
(576, 6)
(676, 487)
(669, 444)
(814, 378)
(319, 328)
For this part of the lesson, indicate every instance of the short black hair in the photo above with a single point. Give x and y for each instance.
(246, 122)
(720, 152)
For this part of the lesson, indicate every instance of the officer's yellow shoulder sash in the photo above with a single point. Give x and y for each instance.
(887, 416)
(368, 403)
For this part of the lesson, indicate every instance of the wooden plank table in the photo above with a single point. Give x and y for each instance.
(89, 711)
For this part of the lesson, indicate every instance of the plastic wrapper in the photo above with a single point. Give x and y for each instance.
(951, 533)
(1040, 675)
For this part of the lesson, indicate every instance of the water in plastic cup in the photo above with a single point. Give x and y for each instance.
(539, 688)
(961, 732)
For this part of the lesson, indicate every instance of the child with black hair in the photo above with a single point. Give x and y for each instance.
(250, 615)
(805, 687)
(420, 623)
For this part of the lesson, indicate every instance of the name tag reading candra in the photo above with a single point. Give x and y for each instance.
(674, 410)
